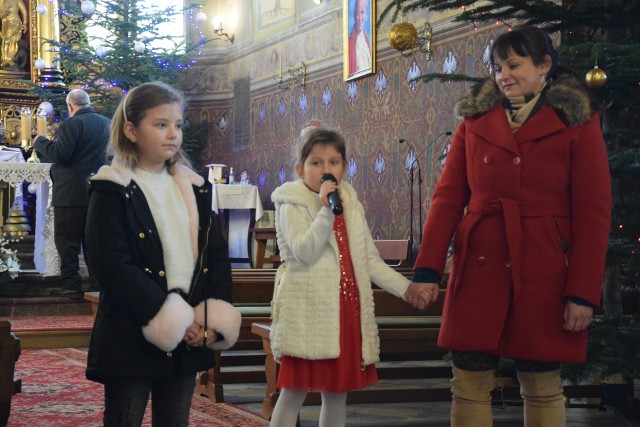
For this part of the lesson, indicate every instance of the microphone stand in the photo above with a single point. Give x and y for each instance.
(413, 164)
(411, 213)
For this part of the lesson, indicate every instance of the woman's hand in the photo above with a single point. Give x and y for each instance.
(422, 295)
(577, 317)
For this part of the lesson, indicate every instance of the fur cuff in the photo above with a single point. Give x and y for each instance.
(223, 318)
(169, 325)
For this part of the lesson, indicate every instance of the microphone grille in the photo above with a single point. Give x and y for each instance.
(448, 133)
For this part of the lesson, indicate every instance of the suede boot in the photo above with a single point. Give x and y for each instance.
(471, 404)
(544, 403)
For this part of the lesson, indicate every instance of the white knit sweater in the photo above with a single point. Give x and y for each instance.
(170, 216)
(306, 314)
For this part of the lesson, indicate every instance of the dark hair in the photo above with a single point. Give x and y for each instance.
(320, 135)
(132, 109)
(527, 41)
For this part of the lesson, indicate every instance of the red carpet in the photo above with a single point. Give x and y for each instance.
(55, 393)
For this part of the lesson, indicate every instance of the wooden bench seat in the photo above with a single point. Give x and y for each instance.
(9, 354)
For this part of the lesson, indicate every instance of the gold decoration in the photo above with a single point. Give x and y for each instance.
(403, 36)
(407, 39)
(596, 77)
(17, 223)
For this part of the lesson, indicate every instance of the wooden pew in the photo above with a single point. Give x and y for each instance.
(252, 293)
(9, 354)
(406, 334)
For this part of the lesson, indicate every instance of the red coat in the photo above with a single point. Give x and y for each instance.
(513, 200)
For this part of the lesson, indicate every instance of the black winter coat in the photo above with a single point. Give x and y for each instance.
(126, 259)
(80, 149)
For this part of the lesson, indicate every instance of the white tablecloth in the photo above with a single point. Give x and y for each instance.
(239, 200)
(45, 255)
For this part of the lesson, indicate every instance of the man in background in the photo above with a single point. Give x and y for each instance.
(78, 151)
(359, 44)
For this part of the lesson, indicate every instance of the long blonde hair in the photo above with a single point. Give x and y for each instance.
(132, 108)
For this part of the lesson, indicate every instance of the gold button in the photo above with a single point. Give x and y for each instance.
(507, 264)
(169, 354)
(201, 190)
(487, 159)
(161, 273)
(482, 260)
(205, 269)
(141, 235)
(146, 270)
(516, 161)
(126, 195)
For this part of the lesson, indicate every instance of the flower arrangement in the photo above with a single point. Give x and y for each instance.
(9, 264)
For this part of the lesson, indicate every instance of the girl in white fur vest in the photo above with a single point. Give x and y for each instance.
(323, 331)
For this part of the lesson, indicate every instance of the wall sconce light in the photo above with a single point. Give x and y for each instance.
(219, 30)
(407, 39)
(297, 76)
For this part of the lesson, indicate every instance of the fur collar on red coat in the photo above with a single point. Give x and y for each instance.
(566, 95)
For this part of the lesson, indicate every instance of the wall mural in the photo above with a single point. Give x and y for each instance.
(272, 16)
(373, 113)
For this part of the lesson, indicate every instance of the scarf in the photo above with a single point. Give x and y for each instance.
(519, 109)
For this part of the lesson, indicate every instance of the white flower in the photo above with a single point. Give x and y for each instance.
(8, 260)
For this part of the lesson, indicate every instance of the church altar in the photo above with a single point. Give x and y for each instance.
(46, 259)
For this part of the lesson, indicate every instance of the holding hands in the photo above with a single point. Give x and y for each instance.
(422, 295)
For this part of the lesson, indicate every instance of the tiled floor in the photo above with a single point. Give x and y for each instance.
(436, 414)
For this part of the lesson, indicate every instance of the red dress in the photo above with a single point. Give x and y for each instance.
(346, 372)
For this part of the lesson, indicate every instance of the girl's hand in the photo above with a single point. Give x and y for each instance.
(422, 295)
(193, 334)
(194, 337)
(327, 188)
(577, 317)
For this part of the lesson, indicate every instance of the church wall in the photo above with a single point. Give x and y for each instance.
(372, 112)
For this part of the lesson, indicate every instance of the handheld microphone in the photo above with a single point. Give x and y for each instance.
(334, 197)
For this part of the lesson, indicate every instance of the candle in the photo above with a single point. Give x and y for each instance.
(41, 125)
(25, 127)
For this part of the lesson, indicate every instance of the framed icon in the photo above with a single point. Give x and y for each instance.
(359, 44)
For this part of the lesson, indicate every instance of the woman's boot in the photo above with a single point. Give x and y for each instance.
(544, 403)
(471, 404)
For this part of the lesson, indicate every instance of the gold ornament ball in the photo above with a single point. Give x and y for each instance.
(596, 77)
(403, 36)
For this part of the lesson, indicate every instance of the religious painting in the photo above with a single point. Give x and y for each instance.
(359, 45)
(272, 16)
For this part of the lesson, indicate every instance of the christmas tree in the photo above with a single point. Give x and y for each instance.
(599, 39)
(127, 48)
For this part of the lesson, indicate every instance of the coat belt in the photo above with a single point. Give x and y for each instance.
(513, 211)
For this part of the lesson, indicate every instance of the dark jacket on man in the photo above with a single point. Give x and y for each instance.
(79, 151)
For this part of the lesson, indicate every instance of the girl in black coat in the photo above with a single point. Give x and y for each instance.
(161, 264)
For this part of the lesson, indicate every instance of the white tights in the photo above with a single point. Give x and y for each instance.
(333, 411)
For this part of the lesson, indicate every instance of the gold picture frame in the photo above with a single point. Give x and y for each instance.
(359, 63)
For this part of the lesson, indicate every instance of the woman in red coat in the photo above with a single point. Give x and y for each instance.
(525, 195)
